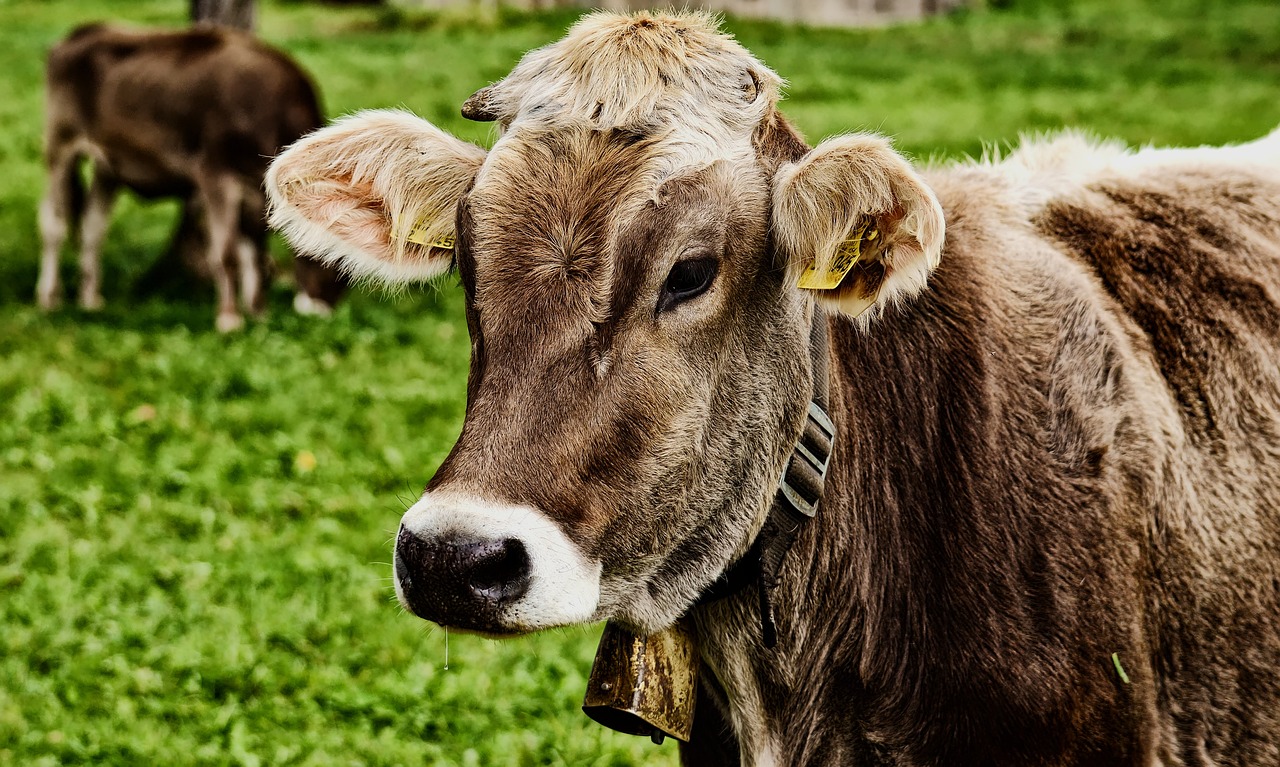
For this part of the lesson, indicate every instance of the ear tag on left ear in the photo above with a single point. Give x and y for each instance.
(848, 254)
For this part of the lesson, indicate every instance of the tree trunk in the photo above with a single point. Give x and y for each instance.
(229, 13)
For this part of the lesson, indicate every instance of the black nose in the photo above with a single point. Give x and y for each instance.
(458, 582)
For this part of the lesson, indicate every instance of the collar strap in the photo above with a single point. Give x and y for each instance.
(796, 501)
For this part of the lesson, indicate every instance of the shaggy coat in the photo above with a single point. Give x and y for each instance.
(1051, 531)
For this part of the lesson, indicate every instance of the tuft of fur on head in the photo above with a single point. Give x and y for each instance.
(820, 201)
(351, 193)
(673, 75)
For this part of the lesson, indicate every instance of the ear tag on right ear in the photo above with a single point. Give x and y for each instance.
(848, 254)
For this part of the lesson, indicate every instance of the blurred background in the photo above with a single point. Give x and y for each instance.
(827, 12)
(195, 528)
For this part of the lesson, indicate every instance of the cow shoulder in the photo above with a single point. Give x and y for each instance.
(1190, 252)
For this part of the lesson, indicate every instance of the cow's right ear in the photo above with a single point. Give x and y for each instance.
(374, 194)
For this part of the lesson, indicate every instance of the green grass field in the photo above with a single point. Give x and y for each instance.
(195, 530)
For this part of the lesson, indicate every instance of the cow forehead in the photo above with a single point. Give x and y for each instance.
(671, 76)
(534, 184)
(566, 224)
(543, 217)
(593, 127)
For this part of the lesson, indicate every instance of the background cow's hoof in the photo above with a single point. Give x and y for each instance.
(91, 302)
(229, 323)
(305, 304)
(48, 301)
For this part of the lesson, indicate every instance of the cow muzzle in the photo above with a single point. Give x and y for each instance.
(459, 582)
(491, 568)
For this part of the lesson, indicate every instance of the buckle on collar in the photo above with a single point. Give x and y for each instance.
(806, 471)
(799, 492)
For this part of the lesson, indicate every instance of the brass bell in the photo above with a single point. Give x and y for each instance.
(645, 686)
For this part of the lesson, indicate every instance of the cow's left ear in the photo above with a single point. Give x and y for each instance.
(375, 194)
(857, 224)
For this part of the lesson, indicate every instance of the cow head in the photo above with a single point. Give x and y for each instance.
(630, 249)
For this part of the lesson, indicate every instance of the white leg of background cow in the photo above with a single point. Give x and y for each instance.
(251, 250)
(93, 229)
(55, 220)
(252, 290)
(222, 206)
(306, 305)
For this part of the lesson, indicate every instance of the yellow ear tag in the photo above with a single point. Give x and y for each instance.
(418, 235)
(846, 256)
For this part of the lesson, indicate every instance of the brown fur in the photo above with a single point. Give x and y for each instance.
(195, 114)
(1059, 450)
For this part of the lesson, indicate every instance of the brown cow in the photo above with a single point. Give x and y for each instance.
(1050, 533)
(195, 114)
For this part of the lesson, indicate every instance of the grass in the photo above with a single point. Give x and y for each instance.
(195, 530)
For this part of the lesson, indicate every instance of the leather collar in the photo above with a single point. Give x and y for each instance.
(796, 501)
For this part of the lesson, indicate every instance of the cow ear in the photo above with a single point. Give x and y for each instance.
(858, 226)
(374, 194)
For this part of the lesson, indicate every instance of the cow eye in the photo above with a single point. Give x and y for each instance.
(687, 280)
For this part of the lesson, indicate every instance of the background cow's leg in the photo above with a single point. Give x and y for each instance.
(253, 294)
(222, 212)
(712, 743)
(93, 229)
(251, 252)
(319, 286)
(187, 255)
(183, 270)
(58, 210)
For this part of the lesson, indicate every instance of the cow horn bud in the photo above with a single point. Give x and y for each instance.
(645, 685)
(479, 106)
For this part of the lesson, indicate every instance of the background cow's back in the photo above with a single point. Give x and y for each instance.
(195, 114)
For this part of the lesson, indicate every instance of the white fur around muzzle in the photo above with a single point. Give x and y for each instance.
(564, 584)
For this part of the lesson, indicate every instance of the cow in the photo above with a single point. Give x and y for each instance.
(1049, 523)
(195, 114)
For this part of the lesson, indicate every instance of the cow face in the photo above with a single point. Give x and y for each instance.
(640, 355)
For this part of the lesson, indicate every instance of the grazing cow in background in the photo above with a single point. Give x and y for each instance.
(1050, 531)
(194, 114)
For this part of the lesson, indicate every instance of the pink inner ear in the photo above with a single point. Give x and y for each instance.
(891, 234)
(352, 213)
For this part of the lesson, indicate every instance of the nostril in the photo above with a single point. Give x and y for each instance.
(457, 581)
(402, 570)
(500, 569)
(409, 554)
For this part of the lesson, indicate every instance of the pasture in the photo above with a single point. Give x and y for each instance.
(195, 529)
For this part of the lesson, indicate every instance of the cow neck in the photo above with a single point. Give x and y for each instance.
(795, 502)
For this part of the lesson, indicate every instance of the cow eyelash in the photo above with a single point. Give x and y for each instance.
(687, 279)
